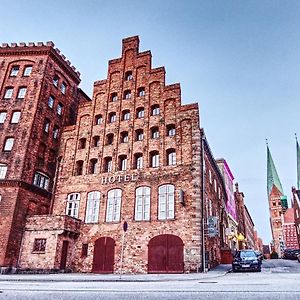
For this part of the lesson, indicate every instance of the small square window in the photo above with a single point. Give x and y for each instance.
(22, 93)
(27, 71)
(14, 71)
(39, 245)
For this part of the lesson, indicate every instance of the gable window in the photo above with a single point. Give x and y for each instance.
(93, 166)
(46, 125)
(41, 180)
(55, 80)
(9, 142)
(113, 97)
(124, 137)
(113, 211)
(127, 94)
(142, 203)
(59, 109)
(96, 141)
(171, 157)
(128, 75)
(140, 112)
(98, 119)
(138, 161)
(154, 133)
(15, 117)
(109, 139)
(107, 164)
(73, 205)
(112, 117)
(22, 92)
(3, 170)
(171, 130)
(92, 207)
(155, 110)
(27, 71)
(154, 159)
(63, 88)
(79, 168)
(8, 93)
(51, 101)
(39, 245)
(14, 71)
(122, 162)
(2, 116)
(126, 115)
(55, 132)
(139, 135)
(141, 92)
(166, 202)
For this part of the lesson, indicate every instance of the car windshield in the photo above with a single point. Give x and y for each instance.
(247, 254)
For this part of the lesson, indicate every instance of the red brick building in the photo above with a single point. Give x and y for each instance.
(132, 159)
(289, 230)
(38, 96)
(296, 207)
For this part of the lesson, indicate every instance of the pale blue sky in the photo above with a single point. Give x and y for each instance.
(239, 59)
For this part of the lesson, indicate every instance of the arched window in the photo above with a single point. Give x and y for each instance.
(112, 117)
(79, 168)
(113, 210)
(124, 137)
(107, 164)
(73, 205)
(127, 94)
(154, 159)
(141, 92)
(154, 133)
(82, 143)
(92, 207)
(155, 110)
(109, 139)
(142, 203)
(171, 130)
(98, 119)
(128, 75)
(138, 161)
(3, 170)
(171, 157)
(96, 141)
(166, 202)
(93, 166)
(125, 115)
(140, 112)
(113, 97)
(139, 135)
(122, 162)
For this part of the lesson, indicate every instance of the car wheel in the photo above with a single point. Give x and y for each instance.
(233, 269)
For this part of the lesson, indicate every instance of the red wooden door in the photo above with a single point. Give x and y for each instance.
(104, 255)
(165, 254)
(64, 255)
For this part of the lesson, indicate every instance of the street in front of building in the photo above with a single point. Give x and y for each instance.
(279, 279)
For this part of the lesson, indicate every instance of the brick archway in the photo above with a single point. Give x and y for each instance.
(165, 254)
(104, 255)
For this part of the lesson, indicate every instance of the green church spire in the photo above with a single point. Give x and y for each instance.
(272, 175)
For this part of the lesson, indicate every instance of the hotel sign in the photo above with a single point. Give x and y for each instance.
(119, 178)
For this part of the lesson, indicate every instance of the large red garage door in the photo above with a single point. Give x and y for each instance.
(165, 254)
(104, 255)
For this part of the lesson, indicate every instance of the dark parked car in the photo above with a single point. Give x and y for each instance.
(246, 260)
(290, 253)
(298, 257)
(259, 255)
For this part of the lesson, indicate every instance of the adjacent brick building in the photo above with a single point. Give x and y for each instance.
(289, 230)
(296, 207)
(38, 96)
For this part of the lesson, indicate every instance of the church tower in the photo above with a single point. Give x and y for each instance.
(277, 204)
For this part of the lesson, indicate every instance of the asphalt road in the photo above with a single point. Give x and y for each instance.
(279, 279)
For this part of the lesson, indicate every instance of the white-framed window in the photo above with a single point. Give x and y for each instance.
(14, 71)
(92, 207)
(140, 112)
(124, 137)
(215, 185)
(107, 164)
(126, 115)
(22, 92)
(171, 157)
(166, 202)
(2, 116)
(3, 170)
(114, 97)
(93, 165)
(139, 161)
(113, 210)
(171, 131)
(51, 101)
(27, 71)
(59, 109)
(73, 205)
(9, 142)
(141, 92)
(15, 117)
(127, 94)
(8, 93)
(139, 135)
(63, 88)
(98, 119)
(112, 117)
(154, 159)
(55, 132)
(41, 180)
(46, 126)
(128, 75)
(155, 110)
(210, 176)
(123, 163)
(55, 80)
(142, 203)
(154, 133)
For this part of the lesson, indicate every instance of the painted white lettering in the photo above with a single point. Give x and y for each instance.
(111, 179)
(104, 180)
(126, 178)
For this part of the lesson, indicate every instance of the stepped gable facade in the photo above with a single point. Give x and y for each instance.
(131, 162)
(30, 129)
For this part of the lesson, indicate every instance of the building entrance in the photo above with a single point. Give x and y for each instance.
(104, 255)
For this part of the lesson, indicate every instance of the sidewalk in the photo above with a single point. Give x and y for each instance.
(218, 271)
